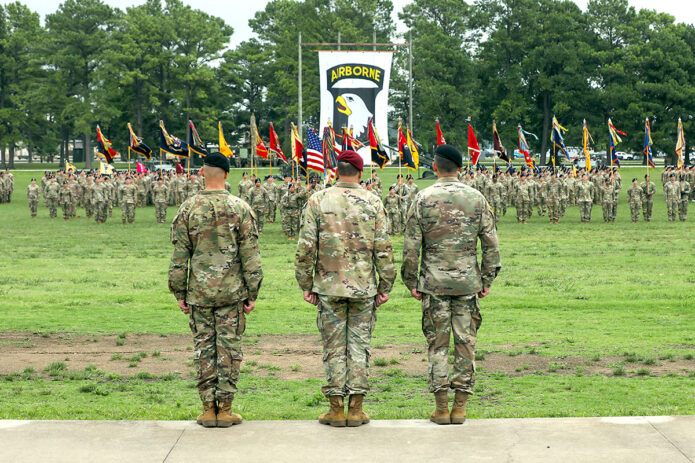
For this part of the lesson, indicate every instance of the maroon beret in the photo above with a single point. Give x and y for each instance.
(353, 158)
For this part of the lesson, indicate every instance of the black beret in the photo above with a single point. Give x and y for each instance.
(646, 175)
(672, 175)
(217, 160)
(451, 153)
(258, 180)
(392, 188)
(33, 179)
(634, 179)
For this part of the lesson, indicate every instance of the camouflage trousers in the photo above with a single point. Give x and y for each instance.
(563, 206)
(394, 222)
(585, 210)
(346, 326)
(160, 209)
(127, 212)
(635, 208)
(522, 209)
(608, 211)
(541, 207)
(270, 208)
(290, 222)
(647, 206)
(440, 316)
(672, 208)
(260, 217)
(553, 210)
(497, 209)
(52, 205)
(88, 209)
(140, 199)
(67, 207)
(100, 212)
(217, 333)
(34, 207)
(683, 209)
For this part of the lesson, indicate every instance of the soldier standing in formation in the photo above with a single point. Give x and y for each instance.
(672, 195)
(99, 200)
(271, 192)
(392, 204)
(585, 195)
(685, 197)
(33, 194)
(51, 196)
(216, 287)
(445, 224)
(523, 200)
(290, 212)
(634, 199)
(129, 194)
(258, 198)
(245, 187)
(553, 190)
(608, 201)
(343, 245)
(648, 190)
(66, 199)
(496, 195)
(160, 194)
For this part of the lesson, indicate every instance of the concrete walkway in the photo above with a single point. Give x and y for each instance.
(630, 439)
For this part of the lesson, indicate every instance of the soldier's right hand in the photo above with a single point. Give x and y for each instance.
(249, 306)
(416, 294)
(311, 298)
(184, 308)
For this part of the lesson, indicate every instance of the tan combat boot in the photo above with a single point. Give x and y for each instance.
(225, 416)
(356, 417)
(336, 415)
(458, 411)
(441, 414)
(209, 417)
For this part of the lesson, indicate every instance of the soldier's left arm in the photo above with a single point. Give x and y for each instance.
(383, 253)
(183, 249)
(412, 243)
(490, 264)
(250, 254)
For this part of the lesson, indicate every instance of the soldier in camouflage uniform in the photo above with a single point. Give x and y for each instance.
(141, 185)
(608, 200)
(634, 199)
(33, 195)
(245, 187)
(271, 192)
(412, 191)
(554, 192)
(290, 212)
(87, 196)
(99, 201)
(376, 182)
(585, 198)
(215, 275)
(128, 199)
(51, 196)
(66, 200)
(496, 195)
(685, 195)
(392, 204)
(672, 195)
(445, 224)
(191, 187)
(648, 190)
(342, 245)
(160, 196)
(258, 198)
(523, 199)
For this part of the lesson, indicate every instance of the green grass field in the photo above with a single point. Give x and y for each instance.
(613, 301)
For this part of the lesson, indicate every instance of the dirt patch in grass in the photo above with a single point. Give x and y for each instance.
(281, 356)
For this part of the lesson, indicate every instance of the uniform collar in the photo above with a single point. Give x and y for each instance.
(211, 192)
(347, 185)
(447, 179)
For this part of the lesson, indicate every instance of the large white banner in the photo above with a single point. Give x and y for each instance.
(355, 87)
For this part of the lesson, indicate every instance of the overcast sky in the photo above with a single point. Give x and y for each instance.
(237, 12)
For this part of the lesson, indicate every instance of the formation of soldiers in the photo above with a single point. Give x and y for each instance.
(6, 186)
(552, 192)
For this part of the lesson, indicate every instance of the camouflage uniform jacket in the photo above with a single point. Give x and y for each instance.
(634, 194)
(446, 222)
(52, 191)
(128, 194)
(258, 197)
(672, 191)
(66, 196)
(33, 192)
(647, 195)
(585, 191)
(160, 193)
(216, 260)
(99, 193)
(343, 243)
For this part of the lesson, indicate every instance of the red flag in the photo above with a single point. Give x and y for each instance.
(473, 147)
(179, 168)
(297, 145)
(440, 137)
(140, 168)
(275, 144)
(261, 150)
(104, 147)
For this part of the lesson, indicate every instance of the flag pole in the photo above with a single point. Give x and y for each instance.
(129, 159)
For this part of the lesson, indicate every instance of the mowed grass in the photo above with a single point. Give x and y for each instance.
(570, 290)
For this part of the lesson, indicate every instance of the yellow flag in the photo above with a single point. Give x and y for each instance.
(680, 144)
(105, 168)
(224, 147)
(413, 147)
(69, 167)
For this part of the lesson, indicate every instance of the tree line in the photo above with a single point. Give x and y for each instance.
(512, 61)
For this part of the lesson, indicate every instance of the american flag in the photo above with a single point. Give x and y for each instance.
(314, 155)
